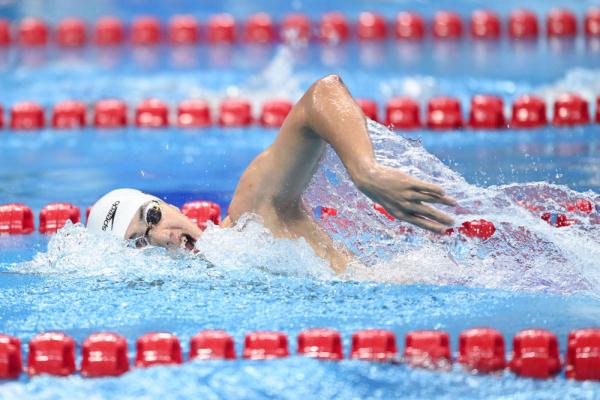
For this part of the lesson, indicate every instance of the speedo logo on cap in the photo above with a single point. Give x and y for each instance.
(110, 217)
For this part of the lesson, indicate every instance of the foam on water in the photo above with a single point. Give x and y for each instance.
(248, 246)
(524, 253)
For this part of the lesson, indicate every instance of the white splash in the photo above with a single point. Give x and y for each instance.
(249, 245)
(525, 252)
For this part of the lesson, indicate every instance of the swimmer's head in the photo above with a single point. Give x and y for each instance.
(145, 219)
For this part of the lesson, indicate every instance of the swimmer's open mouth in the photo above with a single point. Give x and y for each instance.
(188, 242)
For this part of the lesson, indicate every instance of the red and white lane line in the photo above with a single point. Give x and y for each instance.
(18, 219)
(332, 27)
(535, 352)
(401, 113)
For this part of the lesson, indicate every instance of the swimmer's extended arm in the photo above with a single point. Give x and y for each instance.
(328, 114)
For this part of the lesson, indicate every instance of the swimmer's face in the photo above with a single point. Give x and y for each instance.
(160, 224)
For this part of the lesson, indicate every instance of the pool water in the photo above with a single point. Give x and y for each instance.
(530, 274)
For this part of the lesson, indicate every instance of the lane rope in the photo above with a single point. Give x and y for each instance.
(331, 27)
(485, 112)
(535, 352)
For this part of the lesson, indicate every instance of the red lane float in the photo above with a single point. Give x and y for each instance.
(325, 212)
(33, 32)
(157, 349)
(379, 208)
(481, 229)
(71, 32)
(583, 355)
(487, 112)
(104, 354)
(570, 109)
(221, 29)
(26, 115)
(54, 216)
(558, 220)
(274, 112)
(110, 113)
(193, 114)
(447, 25)
(184, 29)
(374, 345)
(485, 24)
(481, 350)
(152, 113)
(444, 113)
(212, 345)
(368, 107)
(409, 26)
(371, 26)
(324, 344)
(402, 113)
(16, 219)
(334, 28)
(523, 24)
(528, 112)
(561, 23)
(145, 31)
(1, 116)
(265, 345)
(51, 353)
(200, 212)
(259, 29)
(11, 363)
(235, 113)
(5, 38)
(69, 114)
(581, 205)
(592, 22)
(535, 354)
(295, 29)
(427, 348)
(535, 351)
(108, 31)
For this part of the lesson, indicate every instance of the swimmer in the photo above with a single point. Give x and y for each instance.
(272, 185)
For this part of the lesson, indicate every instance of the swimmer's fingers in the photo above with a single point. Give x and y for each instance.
(430, 198)
(431, 213)
(423, 223)
(422, 186)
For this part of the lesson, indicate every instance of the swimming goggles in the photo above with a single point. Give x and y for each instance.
(151, 216)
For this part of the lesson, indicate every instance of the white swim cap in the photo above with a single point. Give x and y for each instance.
(114, 211)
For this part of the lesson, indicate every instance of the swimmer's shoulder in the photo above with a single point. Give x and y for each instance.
(226, 223)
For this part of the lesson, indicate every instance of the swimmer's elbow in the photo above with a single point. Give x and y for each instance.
(322, 95)
(327, 86)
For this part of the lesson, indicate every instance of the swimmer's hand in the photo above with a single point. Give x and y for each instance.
(405, 197)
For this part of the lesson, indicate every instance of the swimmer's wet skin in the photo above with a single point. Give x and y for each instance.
(273, 183)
